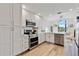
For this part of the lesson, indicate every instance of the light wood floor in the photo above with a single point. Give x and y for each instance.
(46, 49)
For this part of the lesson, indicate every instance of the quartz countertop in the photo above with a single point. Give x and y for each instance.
(59, 32)
(54, 32)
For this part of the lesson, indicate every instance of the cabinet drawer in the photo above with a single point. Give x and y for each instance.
(25, 40)
(25, 46)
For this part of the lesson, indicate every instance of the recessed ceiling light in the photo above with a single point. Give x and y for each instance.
(38, 13)
(23, 6)
(77, 8)
(70, 9)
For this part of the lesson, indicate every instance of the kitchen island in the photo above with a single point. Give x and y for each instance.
(59, 38)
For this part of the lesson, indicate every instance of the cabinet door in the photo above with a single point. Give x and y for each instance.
(41, 37)
(25, 43)
(5, 41)
(17, 42)
(47, 37)
(5, 14)
(17, 14)
(51, 38)
(61, 38)
(56, 36)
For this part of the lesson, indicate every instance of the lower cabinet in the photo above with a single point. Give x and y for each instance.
(49, 37)
(17, 41)
(25, 45)
(59, 39)
(41, 37)
(5, 41)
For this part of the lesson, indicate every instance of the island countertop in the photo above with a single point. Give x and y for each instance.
(59, 32)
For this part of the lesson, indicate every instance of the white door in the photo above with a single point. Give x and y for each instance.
(5, 41)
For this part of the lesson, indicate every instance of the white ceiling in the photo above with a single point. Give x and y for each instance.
(46, 9)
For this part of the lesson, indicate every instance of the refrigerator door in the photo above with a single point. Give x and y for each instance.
(77, 33)
(77, 40)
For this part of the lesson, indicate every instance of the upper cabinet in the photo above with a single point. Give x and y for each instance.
(5, 29)
(17, 14)
(30, 16)
(27, 15)
(5, 14)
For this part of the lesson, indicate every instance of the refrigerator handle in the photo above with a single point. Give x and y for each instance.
(76, 44)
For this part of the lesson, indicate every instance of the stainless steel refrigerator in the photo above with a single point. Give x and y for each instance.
(76, 48)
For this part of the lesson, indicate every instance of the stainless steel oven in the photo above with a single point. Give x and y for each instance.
(33, 41)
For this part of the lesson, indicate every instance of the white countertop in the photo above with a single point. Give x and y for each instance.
(59, 32)
(53, 32)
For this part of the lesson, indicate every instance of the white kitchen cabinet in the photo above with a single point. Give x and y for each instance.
(17, 40)
(5, 29)
(17, 14)
(5, 41)
(41, 37)
(10, 29)
(25, 42)
(17, 35)
(5, 14)
(51, 38)
(48, 37)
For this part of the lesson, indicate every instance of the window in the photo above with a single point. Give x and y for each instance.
(62, 25)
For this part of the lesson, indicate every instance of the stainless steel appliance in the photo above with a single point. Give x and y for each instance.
(29, 23)
(31, 31)
(27, 32)
(77, 40)
(33, 41)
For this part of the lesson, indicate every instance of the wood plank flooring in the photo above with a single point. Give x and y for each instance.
(46, 49)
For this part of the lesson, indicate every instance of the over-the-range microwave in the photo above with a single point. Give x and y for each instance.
(29, 23)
